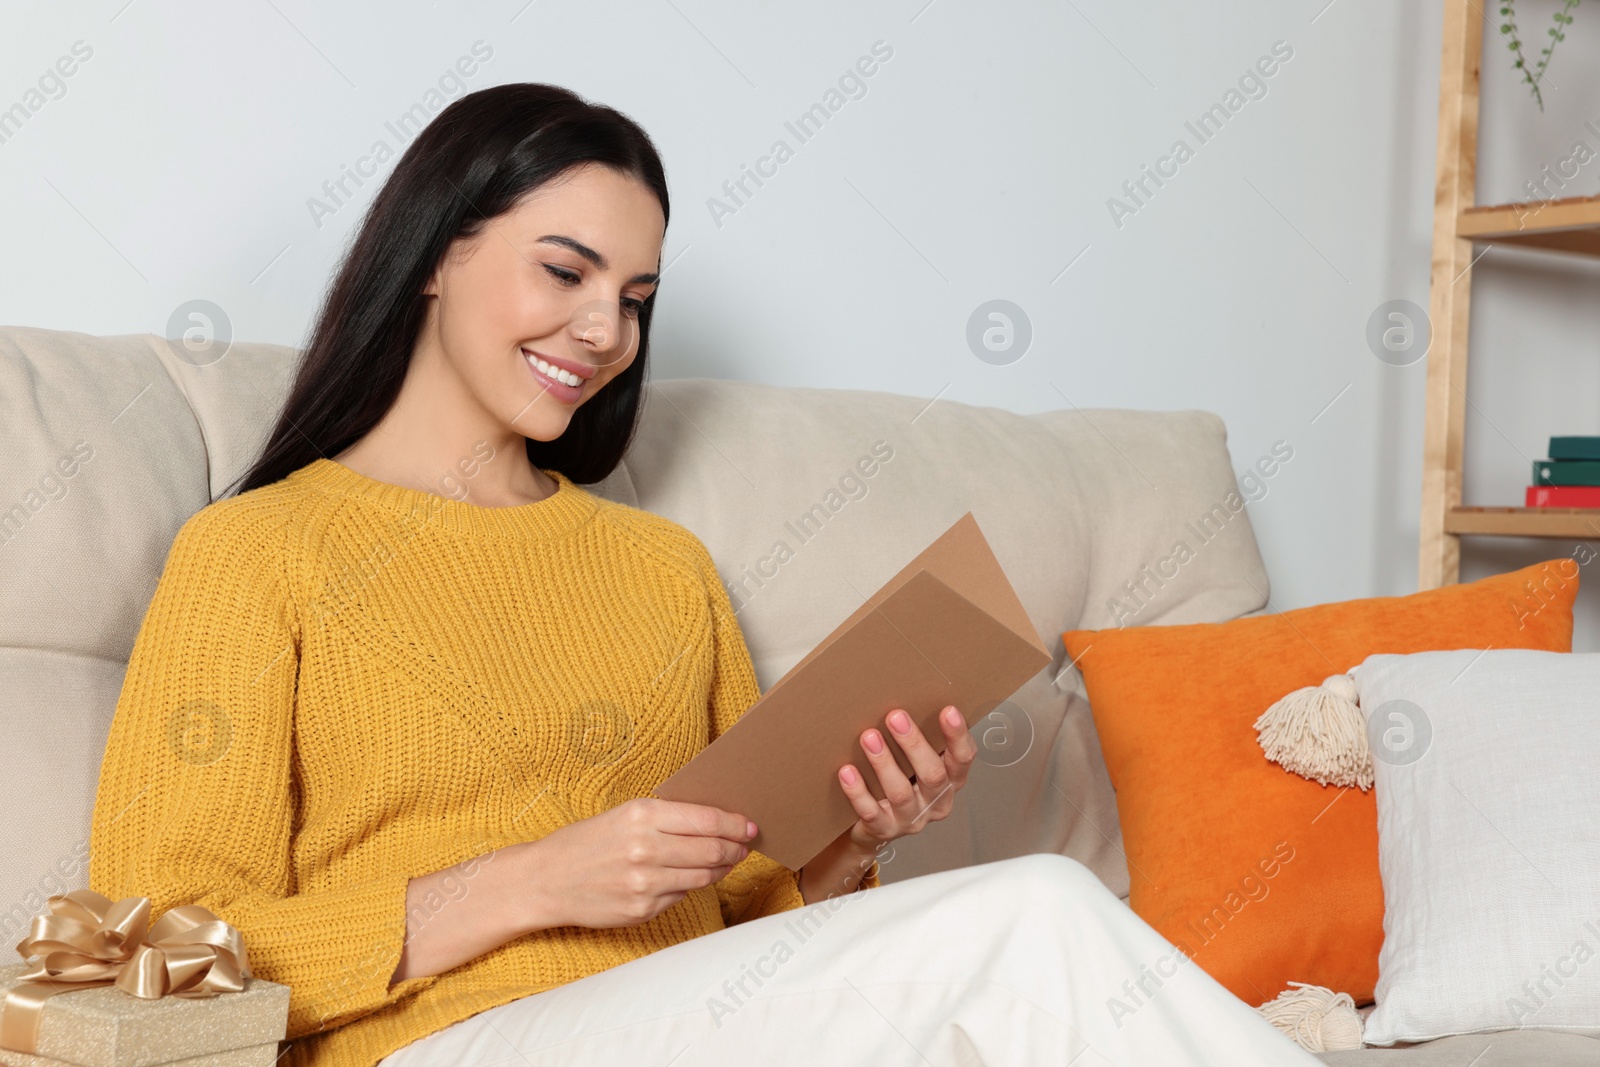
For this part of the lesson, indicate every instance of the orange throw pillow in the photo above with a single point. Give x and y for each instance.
(1261, 876)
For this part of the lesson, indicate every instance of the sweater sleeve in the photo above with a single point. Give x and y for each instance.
(197, 798)
(758, 885)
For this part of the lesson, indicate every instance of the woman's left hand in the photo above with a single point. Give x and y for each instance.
(907, 806)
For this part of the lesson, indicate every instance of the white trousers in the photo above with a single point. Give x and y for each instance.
(1027, 961)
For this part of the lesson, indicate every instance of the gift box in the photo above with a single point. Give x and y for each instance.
(103, 1026)
(103, 987)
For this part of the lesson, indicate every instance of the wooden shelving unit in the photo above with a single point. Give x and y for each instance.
(1570, 226)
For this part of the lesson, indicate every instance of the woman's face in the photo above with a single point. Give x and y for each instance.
(558, 278)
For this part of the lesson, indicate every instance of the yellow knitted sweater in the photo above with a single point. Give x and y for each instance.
(340, 684)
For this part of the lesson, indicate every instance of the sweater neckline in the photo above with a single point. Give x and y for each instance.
(560, 513)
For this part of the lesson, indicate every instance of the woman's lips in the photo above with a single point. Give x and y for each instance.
(567, 394)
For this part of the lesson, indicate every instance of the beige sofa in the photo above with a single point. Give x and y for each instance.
(112, 442)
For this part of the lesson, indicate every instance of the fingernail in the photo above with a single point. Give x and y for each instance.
(749, 828)
(849, 775)
(900, 722)
(743, 852)
(952, 716)
(873, 742)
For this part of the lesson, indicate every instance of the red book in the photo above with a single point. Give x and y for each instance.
(1563, 496)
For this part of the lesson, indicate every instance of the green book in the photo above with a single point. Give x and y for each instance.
(1575, 448)
(1566, 472)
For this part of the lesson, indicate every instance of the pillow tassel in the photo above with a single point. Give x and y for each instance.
(1319, 733)
(1315, 1018)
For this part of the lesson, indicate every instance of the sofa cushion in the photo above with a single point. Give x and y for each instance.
(1487, 811)
(110, 442)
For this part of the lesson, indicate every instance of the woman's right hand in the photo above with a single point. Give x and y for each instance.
(628, 864)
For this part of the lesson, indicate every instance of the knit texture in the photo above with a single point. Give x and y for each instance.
(340, 684)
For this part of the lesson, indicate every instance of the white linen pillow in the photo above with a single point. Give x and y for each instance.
(1488, 791)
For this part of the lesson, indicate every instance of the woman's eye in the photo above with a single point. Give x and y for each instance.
(566, 277)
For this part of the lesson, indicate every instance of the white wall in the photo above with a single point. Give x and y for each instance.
(179, 162)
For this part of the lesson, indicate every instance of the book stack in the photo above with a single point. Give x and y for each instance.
(1570, 478)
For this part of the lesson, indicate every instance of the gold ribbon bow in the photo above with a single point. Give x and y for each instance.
(88, 941)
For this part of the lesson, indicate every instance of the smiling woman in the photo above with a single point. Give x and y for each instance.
(410, 682)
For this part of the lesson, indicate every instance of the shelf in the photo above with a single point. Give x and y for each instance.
(1579, 523)
(1571, 225)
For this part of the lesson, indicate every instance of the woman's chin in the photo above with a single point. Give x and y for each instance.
(542, 425)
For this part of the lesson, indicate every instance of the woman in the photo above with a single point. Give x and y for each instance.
(396, 708)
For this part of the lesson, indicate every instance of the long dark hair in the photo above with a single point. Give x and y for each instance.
(473, 162)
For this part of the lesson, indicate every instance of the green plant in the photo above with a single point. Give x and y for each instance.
(1557, 33)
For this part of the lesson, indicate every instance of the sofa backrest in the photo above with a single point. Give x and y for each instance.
(808, 499)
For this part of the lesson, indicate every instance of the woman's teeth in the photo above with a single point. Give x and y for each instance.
(565, 377)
